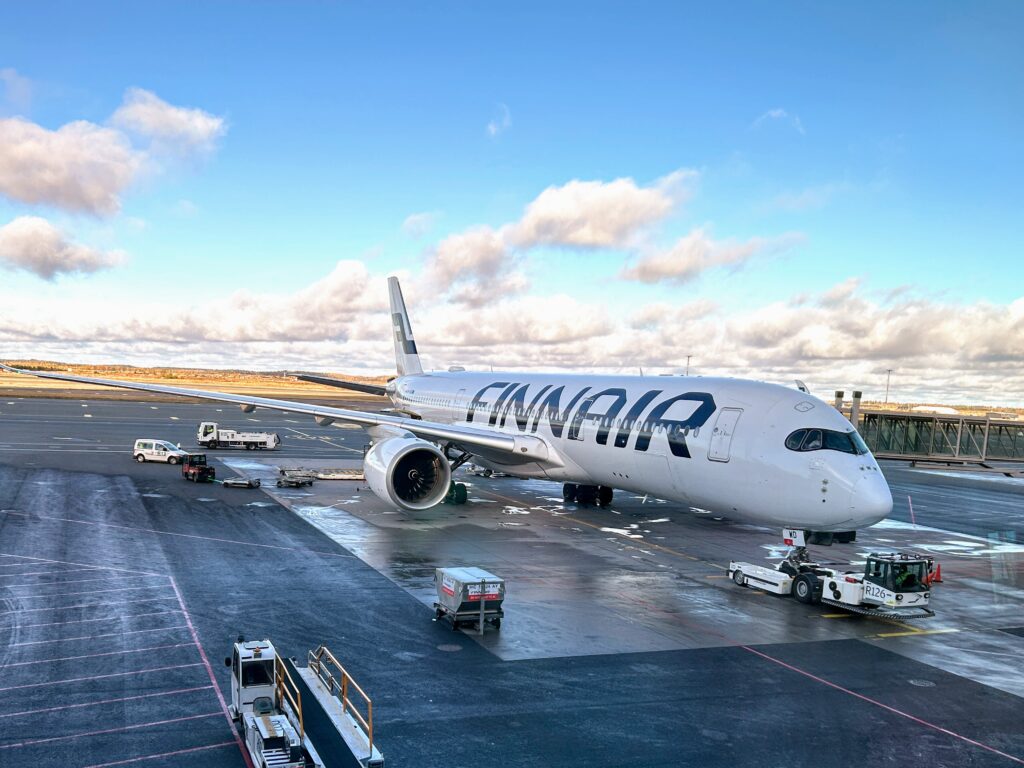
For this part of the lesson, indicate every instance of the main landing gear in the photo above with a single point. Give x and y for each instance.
(457, 493)
(586, 495)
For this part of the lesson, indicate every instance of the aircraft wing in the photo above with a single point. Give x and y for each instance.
(327, 381)
(469, 438)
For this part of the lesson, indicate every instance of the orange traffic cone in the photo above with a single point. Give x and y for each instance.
(937, 576)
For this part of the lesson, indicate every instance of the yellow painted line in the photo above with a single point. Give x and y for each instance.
(918, 632)
(836, 615)
(716, 576)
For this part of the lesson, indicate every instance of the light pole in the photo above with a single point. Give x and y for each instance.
(688, 364)
(888, 375)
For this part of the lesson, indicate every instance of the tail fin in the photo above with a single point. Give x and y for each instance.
(406, 358)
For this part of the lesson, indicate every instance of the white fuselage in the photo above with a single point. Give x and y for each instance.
(711, 443)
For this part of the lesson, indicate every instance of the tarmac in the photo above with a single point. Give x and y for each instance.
(623, 644)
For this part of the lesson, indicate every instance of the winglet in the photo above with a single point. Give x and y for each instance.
(407, 359)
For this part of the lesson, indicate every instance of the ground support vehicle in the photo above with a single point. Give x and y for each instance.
(210, 434)
(892, 585)
(300, 717)
(195, 468)
(469, 596)
(241, 482)
(148, 449)
(295, 478)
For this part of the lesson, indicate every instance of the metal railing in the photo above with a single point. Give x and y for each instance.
(962, 438)
(340, 683)
(288, 691)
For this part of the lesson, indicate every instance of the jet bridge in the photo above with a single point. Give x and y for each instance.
(941, 437)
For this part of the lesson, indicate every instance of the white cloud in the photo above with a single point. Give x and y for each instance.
(841, 338)
(484, 261)
(85, 168)
(416, 225)
(809, 198)
(778, 113)
(80, 167)
(181, 130)
(34, 245)
(697, 252)
(501, 121)
(598, 214)
(17, 92)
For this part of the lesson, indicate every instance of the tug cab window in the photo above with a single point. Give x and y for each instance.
(826, 440)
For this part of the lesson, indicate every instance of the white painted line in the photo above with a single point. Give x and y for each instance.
(92, 592)
(174, 418)
(97, 655)
(86, 605)
(123, 728)
(74, 581)
(96, 637)
(47, 683)
(161, 755)
(47, 573)
(87, 415)
(111, 619)
(110, 701)
(69, 562)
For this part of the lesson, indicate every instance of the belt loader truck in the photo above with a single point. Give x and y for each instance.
(300, 717)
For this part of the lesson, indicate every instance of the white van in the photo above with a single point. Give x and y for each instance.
(157, 450)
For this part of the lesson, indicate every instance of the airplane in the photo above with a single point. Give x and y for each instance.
(750, 450)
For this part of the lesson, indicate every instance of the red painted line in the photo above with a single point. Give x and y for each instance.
(86, 621)
(162, 754)
(99, 677)
(877, 703)
(184, 535)
(107, 701)
(96, 637)
(96, 655)
(105, 731)
(73, 581)
(90, 592)
(84, 605)
(213, 678)
(68, 562)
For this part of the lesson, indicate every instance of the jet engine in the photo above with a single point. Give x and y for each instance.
(407, 472)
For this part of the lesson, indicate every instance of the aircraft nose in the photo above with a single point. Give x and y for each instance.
(870, 500)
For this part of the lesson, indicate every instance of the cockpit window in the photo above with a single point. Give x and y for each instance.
(826, 439)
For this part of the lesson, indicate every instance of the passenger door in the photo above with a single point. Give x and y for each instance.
(721, 437)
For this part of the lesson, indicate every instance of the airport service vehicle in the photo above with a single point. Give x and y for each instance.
(290, 716)
(212, 435)
(241, 482)
(148, 449)
(755, 452)
(476, 469)
(469, 596)
(295, 478)
(195, 468)
(892, 585)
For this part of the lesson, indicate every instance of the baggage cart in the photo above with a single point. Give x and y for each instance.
(469, 596)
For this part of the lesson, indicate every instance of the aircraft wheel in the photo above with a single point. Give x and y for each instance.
(586, 494)
(605, 495)
(461, 494)
(569, 491)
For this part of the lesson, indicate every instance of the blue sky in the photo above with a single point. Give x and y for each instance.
(888, 138)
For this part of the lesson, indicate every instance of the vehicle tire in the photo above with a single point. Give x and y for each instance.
(280, 484)
(256, 483)
(605, 495)
(739, 578)
(805, 587)
(140, 458)
(212, 445)
(497, 623)
(569, 491)
(487, 473)
(461, 494)
(172, 460)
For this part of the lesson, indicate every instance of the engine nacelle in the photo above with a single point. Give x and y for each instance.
(407, 472)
